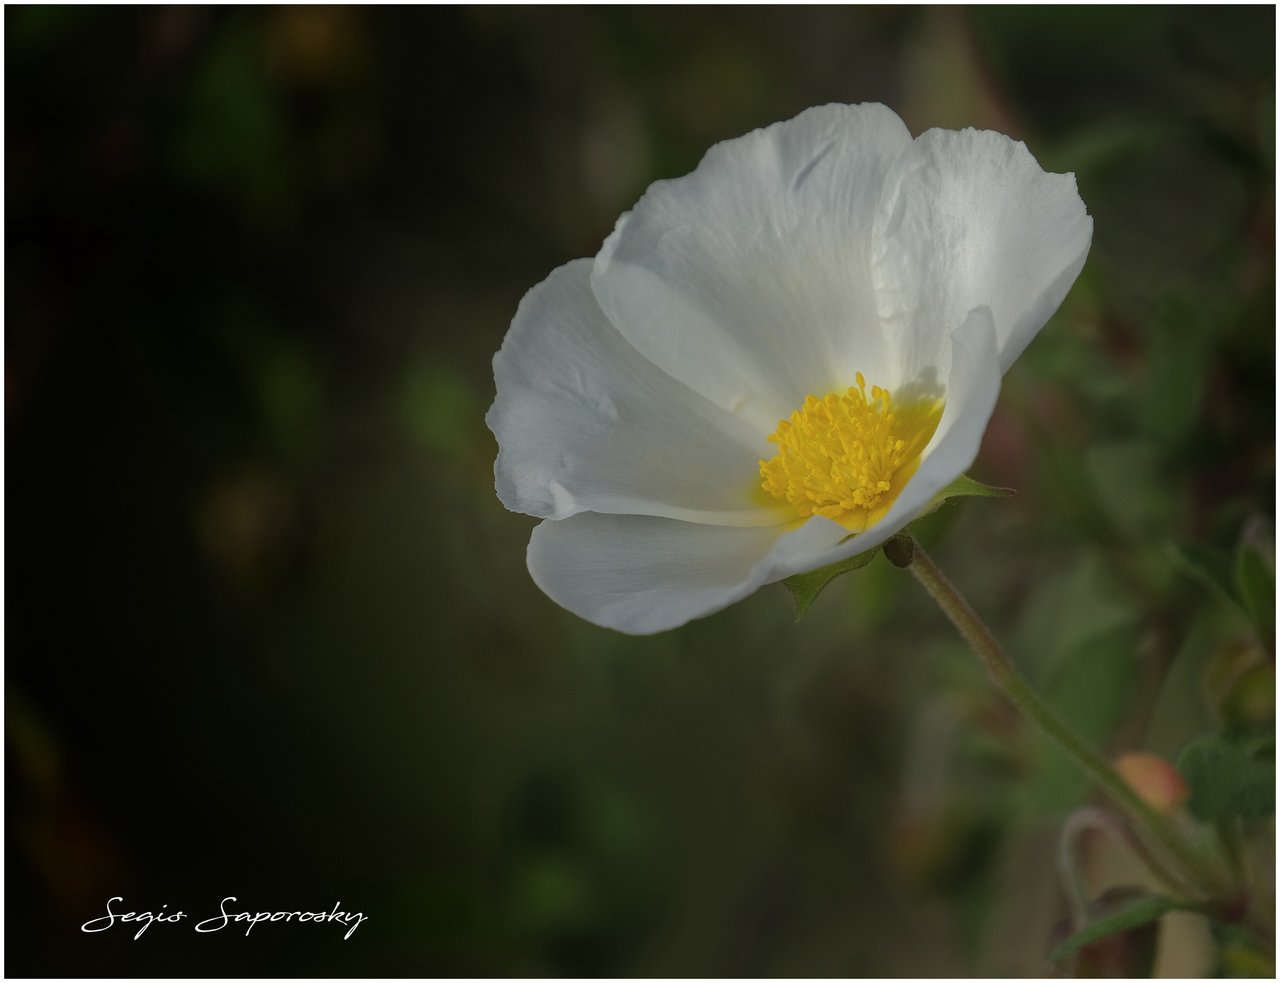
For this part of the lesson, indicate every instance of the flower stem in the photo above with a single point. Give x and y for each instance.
(904, 551)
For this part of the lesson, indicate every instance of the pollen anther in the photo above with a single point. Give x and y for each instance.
(848, 455)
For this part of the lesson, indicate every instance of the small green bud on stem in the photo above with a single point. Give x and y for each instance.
(900, 550)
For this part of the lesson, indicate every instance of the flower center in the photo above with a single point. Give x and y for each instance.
(846, 456)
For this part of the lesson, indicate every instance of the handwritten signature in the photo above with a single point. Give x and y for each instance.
(352, 920)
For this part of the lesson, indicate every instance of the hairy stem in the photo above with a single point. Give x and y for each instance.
(904, 551)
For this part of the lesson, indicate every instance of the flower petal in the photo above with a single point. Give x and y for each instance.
(584, 422)
(642, 574)
(970, 219)
(749, 279)
(645, 574)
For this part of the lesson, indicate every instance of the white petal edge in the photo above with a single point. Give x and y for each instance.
(643, 574)
(969, 218)
(586, 423)
(640, 574)
(749, 279)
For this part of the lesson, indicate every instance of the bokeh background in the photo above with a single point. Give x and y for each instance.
(269, 631)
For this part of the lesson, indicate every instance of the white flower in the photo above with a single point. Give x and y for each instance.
(688, 411)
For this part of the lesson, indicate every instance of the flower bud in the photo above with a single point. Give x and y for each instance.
(1157, 782)
(1229, 663)
(1251, 702)
(900, 551)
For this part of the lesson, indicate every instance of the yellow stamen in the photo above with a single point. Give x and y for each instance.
(847, 457)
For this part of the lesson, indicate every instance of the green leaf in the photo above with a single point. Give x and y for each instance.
(1256, 587)
(1226, 782)
(1210, 566)
(964, 487)
(805, 587)
(1141, 911)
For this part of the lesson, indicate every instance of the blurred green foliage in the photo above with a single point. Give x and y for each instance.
(1227, 783)
(270, 633)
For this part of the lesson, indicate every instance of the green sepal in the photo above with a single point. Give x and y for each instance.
(1226, 782)
(1141, 911)
(805, 587)
(964, 487)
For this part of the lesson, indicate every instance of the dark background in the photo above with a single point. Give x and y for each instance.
(269, 632)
